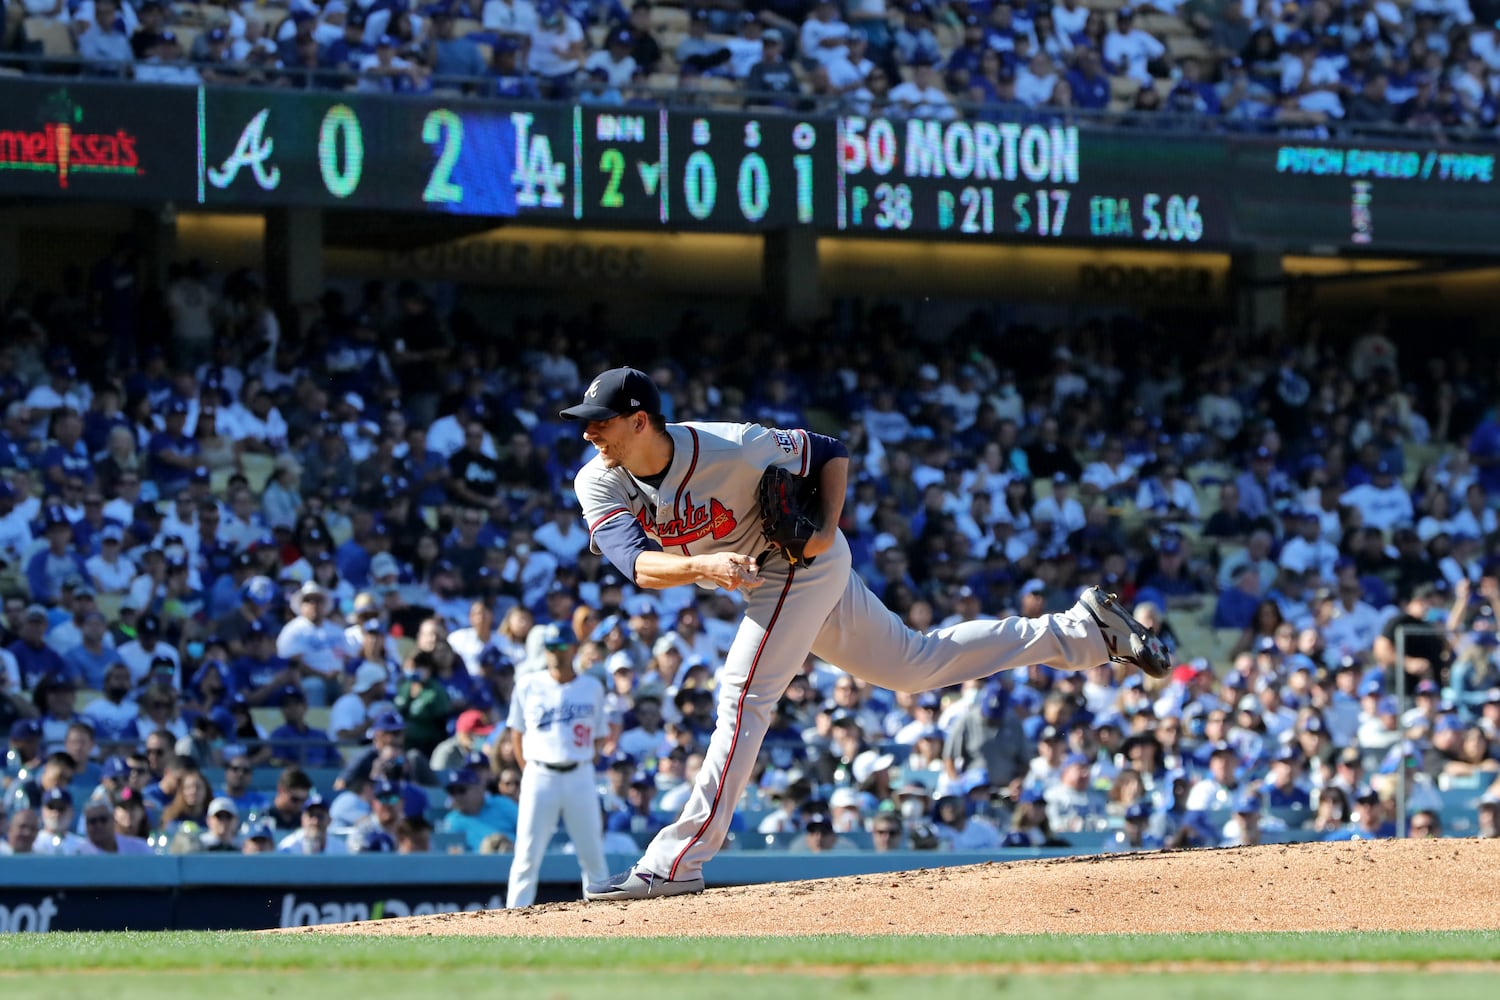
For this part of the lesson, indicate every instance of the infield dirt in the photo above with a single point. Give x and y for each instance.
(1373, 885)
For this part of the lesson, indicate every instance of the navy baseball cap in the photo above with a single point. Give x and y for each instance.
(57, 798)
(390, 722)
(462, 777)
(616, 393)
(26, 729)
(557, 635)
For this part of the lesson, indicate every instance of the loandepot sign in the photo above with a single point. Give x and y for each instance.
(305, 914)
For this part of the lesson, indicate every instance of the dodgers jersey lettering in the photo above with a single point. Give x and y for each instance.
(706, 502)
(558, 723)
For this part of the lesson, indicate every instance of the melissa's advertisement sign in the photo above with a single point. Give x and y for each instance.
(88, 141)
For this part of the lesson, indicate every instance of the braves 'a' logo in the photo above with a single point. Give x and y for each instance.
(696, 522)
(593, 389)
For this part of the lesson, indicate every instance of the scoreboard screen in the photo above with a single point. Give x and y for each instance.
(1028, 178)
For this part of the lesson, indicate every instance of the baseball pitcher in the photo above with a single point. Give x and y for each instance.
(678, 503)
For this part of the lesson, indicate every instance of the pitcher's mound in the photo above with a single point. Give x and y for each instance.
(1372, 885)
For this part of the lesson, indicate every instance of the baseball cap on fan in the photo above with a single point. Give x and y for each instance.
(616, 393)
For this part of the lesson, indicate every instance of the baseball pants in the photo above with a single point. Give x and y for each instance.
(826, 609)
(547, 795)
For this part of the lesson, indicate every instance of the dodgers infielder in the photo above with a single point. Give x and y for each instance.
(557, 724)
(670, 504)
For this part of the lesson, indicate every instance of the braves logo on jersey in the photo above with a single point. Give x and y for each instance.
(696, 522)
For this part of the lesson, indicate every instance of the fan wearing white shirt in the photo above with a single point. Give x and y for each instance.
(1309, 551)
(1355, 624)
(563, 536)
(1060, 509)
(746, 48)
(824, 37)
(557, 47)
(848, 72)
(314, 644)
(1315, 81)
(920, 96)
(470, 643)
(1128, 50)
(1383, 502)
(260, 424)
(445, 436)
(1112, 474)
(1069, 16)
(616, 61)
(1168, 496)
(1036, 81)
(516, 18)
(1475, 518)
(110, 571)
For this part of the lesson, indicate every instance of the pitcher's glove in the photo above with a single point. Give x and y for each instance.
(789, 510)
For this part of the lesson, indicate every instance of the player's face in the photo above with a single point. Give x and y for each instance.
(613, 437)
(560, 661)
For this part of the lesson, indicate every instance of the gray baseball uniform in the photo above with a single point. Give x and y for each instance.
(706, 503)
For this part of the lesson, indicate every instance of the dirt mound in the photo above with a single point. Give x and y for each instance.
(1383, 885)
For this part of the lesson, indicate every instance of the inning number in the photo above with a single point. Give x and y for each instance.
(612, 162)
(444, 129)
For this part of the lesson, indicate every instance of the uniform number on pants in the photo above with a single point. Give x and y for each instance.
(581, 735)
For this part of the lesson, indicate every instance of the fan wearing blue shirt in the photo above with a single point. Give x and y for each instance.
(295, 742)
(65, 455)
(34, 657)
(475, 813)
(1088, 80)
(173, 454)
(260, 675)
(48, 569)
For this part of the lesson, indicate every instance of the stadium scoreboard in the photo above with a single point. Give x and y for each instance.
(1033, 178)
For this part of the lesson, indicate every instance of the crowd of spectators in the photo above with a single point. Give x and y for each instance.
(1432, 64)
(269, 577)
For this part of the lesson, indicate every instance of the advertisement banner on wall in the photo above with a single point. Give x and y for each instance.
(222, 908)
(31, 911)
(93, 142)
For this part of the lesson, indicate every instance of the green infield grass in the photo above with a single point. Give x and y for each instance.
(229, 966)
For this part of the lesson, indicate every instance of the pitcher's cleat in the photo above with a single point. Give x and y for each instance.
(1128, 640)
(638, 883)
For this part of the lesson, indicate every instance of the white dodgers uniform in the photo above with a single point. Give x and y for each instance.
(558, 724)
(706, 503)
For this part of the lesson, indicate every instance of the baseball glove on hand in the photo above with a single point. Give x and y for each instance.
(789, 510)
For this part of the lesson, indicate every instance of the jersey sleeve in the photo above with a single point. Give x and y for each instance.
(516, 718)
(789, 449)
(601, 717)
(613, 530)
